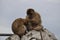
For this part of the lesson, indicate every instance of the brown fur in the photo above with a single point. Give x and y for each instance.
(34, 19)
(18, 27)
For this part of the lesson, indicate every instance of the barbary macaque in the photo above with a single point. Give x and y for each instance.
(18, 27)
(34, 20)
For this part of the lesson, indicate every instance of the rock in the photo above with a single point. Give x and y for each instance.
(13, 37)
(35, 35)
(50, 34)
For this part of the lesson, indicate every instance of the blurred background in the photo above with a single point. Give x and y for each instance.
(12, 9)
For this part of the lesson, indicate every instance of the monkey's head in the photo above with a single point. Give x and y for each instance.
(30, 12)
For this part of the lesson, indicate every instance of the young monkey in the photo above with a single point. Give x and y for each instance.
(34, 20)
(18, 27)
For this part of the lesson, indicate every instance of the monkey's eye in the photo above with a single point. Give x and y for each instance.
(29, 14)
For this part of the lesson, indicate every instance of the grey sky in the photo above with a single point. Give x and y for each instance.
(12, 9)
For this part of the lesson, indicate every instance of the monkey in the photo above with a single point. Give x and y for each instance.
(18, 27)
(34, 20)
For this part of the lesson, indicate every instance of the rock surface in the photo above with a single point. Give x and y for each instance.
(34, 35)
(13, 37)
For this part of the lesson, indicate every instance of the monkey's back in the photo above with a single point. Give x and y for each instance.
(18, 26)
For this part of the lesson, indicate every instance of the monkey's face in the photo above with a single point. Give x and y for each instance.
(30, 14)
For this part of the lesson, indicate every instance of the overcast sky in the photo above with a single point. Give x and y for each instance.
(48, 9)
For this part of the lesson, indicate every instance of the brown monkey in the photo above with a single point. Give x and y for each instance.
(18, 27)
(34, 20)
